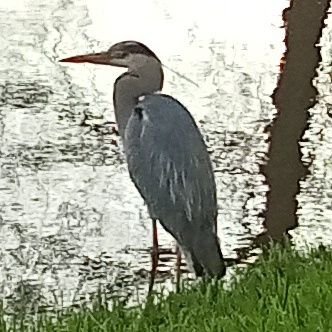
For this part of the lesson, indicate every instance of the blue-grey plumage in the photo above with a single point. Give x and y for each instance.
(170, 166)
(167, 158)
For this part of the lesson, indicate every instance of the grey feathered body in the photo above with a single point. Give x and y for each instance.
(166, 154)
(170, 166)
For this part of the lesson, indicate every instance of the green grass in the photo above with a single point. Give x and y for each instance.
(282, 291)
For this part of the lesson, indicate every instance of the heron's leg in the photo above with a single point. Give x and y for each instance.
(154, 254)
(178, 267)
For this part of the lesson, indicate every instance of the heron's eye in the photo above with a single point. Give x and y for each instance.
(139, 112)
(121, 54)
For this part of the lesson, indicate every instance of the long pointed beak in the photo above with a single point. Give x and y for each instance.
(98, 58)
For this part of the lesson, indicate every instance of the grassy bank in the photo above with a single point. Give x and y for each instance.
(282, 291)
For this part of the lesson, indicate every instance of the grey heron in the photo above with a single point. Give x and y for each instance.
(166, 155)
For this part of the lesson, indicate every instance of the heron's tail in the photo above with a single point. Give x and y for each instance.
(202, 250)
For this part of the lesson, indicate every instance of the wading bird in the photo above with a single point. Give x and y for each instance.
(166, 156)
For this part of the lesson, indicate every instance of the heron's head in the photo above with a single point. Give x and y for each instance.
(127, 54)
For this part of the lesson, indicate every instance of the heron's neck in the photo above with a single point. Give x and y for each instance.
(133, 84)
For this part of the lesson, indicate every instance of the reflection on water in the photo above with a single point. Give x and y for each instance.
(70, 218)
